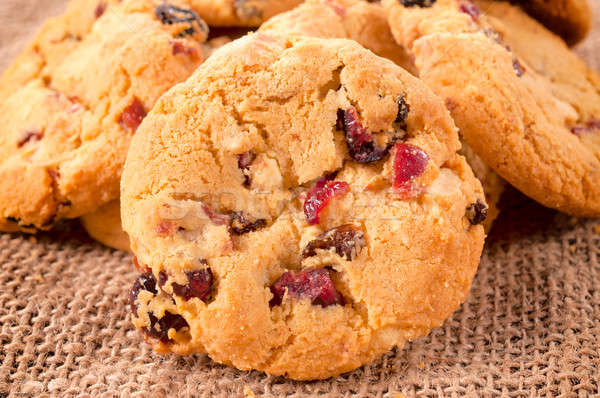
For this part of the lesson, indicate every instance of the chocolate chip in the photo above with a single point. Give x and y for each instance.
(242, 224)
(347, 240)
(477, 212)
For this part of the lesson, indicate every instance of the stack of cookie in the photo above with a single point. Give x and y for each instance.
(305, 197)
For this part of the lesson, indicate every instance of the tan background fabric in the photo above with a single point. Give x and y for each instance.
(531, 325)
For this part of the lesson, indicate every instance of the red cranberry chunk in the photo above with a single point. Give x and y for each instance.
(241, 224)
(214, 217)
(471, 9)
(347, 240)
(314, 284)
(159, 328)
(132, 116)
(29, 136)
(181, 48)
(588, 127)
(410, 162)
(100, 8)
(144, 282)
(320, 195)
(199, 285)
(477, 212)
(360, 142)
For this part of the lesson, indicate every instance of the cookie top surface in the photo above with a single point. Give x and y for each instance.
(526, 104)
(298, 207)
(73, 99)
(241, 12)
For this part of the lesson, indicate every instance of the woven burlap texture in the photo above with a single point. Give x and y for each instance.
(530, 327)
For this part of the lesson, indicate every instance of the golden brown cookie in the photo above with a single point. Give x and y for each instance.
(298, 207)
(104, 225)
(71, 102)
(241, 12)
(527, 105)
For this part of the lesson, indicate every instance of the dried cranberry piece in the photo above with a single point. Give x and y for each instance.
(417, 3)
(199, 285)
(144, 282)
(159, 328)
(410, 162)
(241, 224)
(170, 15)
(100, 8)
(132, 116)
(360, 142)
(181, 48)
(471, 9)
(315, 284)
(477, 212)
(214, 217)
(518, 67)
(320, 195)
(346, 239)
(30, 135)
(140, 267)
(244, 161)
(586, 127)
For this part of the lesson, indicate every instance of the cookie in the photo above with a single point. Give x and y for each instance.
(298, 207)
(352, 19)
(104, 225)
(571, 19)
(527, 105)
(241, 12)
(72, 101)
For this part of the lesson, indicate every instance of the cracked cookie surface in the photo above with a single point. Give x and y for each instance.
(298, 207)
(71, 102)
(528, 106)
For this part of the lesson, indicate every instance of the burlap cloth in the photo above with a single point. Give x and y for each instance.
(530, 327)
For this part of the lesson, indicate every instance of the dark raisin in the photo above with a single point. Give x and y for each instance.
(132, 115)
(199, 285)
(13, 220)
(144, 282)
(162, 278)
(171, 15)
(315, 284)
(244, 161)
(241, 224)
(347, 240)
(319, 196)
(417, 3)
(409, 163)
(477, 212)
(588, 127)
(100, 9)
(403, 110)
(159, 328)
(518, 67)
(360, 142)
(33, 135)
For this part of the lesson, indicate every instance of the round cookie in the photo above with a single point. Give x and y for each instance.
(104, 225)
(72, 101)
(298, 207)
(526, 104)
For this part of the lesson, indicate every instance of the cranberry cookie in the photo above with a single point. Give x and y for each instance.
(241, 12)
(298, 207)
(71, 102)
(523, 101)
